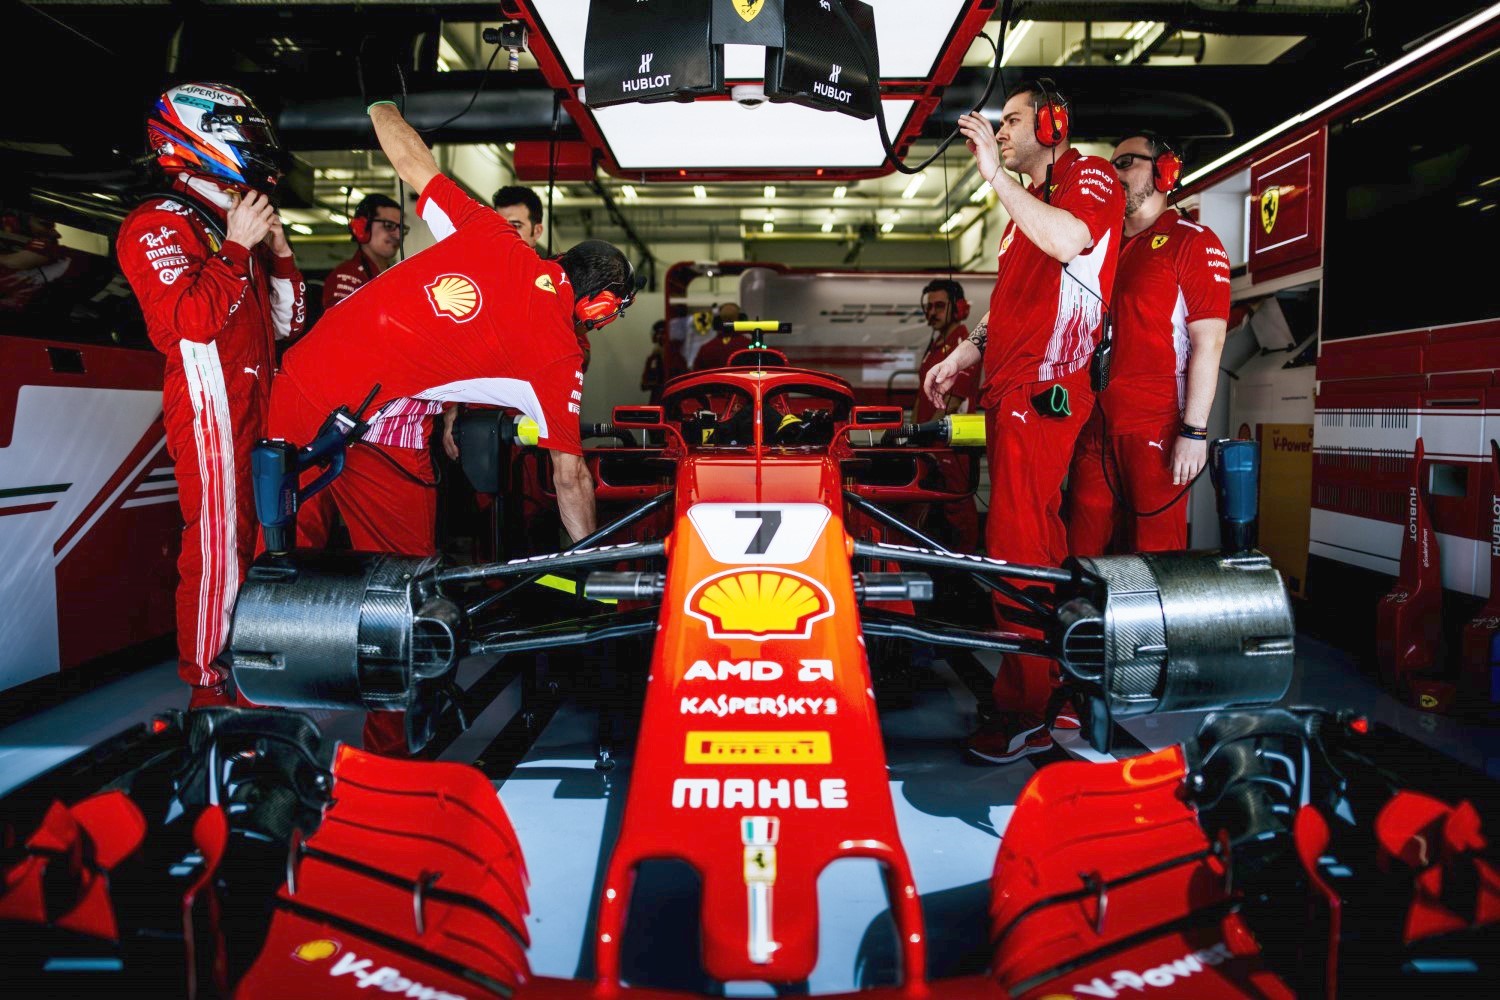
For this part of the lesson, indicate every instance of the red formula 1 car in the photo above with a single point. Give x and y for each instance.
(237, 852)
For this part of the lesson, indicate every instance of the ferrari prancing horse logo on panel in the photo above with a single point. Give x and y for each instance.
(747, 9)
(1270, 200)
(454, 296)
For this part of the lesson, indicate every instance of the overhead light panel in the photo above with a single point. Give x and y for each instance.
(770, 191)
(699, 191)
(510, 147)
(828, 227)
(1013, 39)
(980, 193)
(556, 193)
(953, 220)
(768, 226)
(887, 227)
(298, 227)
(914, 185)
(628, 190)
(840, 191)
(335, 217)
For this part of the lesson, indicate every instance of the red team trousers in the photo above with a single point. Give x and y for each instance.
(383, 503)
(1029, 456)
(1139, 464)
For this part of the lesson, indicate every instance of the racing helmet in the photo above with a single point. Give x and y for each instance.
(215, 131)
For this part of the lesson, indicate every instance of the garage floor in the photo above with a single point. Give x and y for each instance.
(566, 812)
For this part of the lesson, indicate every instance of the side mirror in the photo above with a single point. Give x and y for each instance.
(641, 418)
(876, 418)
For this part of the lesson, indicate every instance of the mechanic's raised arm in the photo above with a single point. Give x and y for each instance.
(402, 145)
(574, 485)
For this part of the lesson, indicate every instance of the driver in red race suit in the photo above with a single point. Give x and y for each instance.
(1057, 264)
(477, 317)
(214, 275)
(1148, 437)
(944, 307)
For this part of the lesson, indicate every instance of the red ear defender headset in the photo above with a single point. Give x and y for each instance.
(1051, 114)
(1166, 164)
(955, 297)
(360, 222)
(606, 305)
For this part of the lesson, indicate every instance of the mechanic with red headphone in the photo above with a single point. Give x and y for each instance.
(945, 309)
(214, 275)
(1049, 306)
(376, 227)
(1148, 438)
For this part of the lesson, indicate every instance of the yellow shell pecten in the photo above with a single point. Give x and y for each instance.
(455, 295)
(758, 602)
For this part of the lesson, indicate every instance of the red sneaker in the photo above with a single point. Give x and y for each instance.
(1008, 738)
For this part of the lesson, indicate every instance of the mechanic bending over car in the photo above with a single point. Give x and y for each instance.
(1057, 264)
(1148, 437)
(477, 317)
(214, 275)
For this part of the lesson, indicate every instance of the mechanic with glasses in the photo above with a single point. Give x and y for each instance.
(1148, 436)
(376, 229)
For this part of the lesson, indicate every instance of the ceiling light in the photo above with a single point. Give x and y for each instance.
(768, 226)
(770, 191)
(628, 191)
(896, 215)
(1013, 39)
(356, 195)
(298, 227)
(828, 227)
(1488, 208)
(980, 193)
(1467, 202)
(336, 217)
(1492, 180)
(914, 185)
(556, 193)
(840, 191)
(443, 66)
(510, 147)
(887, 227)
(699, 191)
(953, 220)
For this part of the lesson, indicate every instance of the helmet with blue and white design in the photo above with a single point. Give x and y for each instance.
(214, 131)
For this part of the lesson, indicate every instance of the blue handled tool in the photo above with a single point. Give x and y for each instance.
(276, 468)
(1235, 468)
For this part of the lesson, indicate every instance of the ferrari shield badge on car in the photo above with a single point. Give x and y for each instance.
(759, 603)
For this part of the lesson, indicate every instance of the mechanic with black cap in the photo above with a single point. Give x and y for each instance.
(477, 317)
(1057, 263)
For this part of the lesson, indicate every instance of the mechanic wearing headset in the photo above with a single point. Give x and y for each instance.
(376, 228)
(1148, 437)
(1057, 262)
(945, 308)
(477, 317)
(214, 275)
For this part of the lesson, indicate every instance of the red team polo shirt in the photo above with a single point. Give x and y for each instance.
(1043, 325)
(963, 386)
(1170, 275)
(476, 318)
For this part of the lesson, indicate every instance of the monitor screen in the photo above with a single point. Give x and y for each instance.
(649, 50)
(823, 65)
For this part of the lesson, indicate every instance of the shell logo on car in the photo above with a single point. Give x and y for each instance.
(454, 296)
(316, 951)
(759, 603)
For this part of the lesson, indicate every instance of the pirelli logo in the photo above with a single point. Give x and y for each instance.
(720, 747)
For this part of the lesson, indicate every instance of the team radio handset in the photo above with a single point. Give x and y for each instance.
(276, 467)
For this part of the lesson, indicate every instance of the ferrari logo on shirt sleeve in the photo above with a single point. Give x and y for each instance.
(1270, 200)
(1157, 242)
(544, 282)
(747, 9)
(454, 296)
